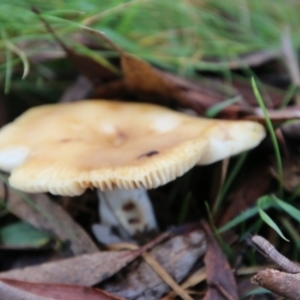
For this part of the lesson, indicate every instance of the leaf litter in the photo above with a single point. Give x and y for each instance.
(176, 255)
(15, 290)
(55, 220)
(220, 278)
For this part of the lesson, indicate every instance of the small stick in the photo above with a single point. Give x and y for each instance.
(268, 250)
(283, 284)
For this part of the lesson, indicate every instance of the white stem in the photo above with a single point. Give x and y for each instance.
(128, 210)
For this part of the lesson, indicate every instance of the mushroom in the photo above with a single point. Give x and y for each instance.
(119, 148)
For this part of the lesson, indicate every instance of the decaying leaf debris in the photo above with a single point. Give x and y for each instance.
(220, 279)
(138, 281)
(176, 256)
(66, 229)
(15, 290)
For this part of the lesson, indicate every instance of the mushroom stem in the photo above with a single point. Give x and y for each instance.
(130, 211)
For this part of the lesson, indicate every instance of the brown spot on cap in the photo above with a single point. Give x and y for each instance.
(148, 154)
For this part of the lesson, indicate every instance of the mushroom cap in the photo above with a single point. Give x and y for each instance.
(67, 148)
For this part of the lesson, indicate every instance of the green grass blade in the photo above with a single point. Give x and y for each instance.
(8, 69)
(272, 133)
(224, 246)
(216, 109)
(288, 208)
(266, 218)
(229, 181)
(21, 54)
(242, 217)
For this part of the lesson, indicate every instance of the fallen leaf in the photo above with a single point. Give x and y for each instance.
(220, 279)
(87, 270)
(141, 77)
(115, 89)
(16, 290)
(177, 256)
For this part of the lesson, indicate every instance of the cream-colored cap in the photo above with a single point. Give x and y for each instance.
(67, 148)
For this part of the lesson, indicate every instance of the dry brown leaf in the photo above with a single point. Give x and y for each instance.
(141, 78)
(87, 270)
(16, 290)
(156, 266)
(166, 277)
(115, 89)
(176, 256)
(51, 217)
(220, 279)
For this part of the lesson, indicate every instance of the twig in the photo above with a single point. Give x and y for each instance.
(268, 250)
(283, 284)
